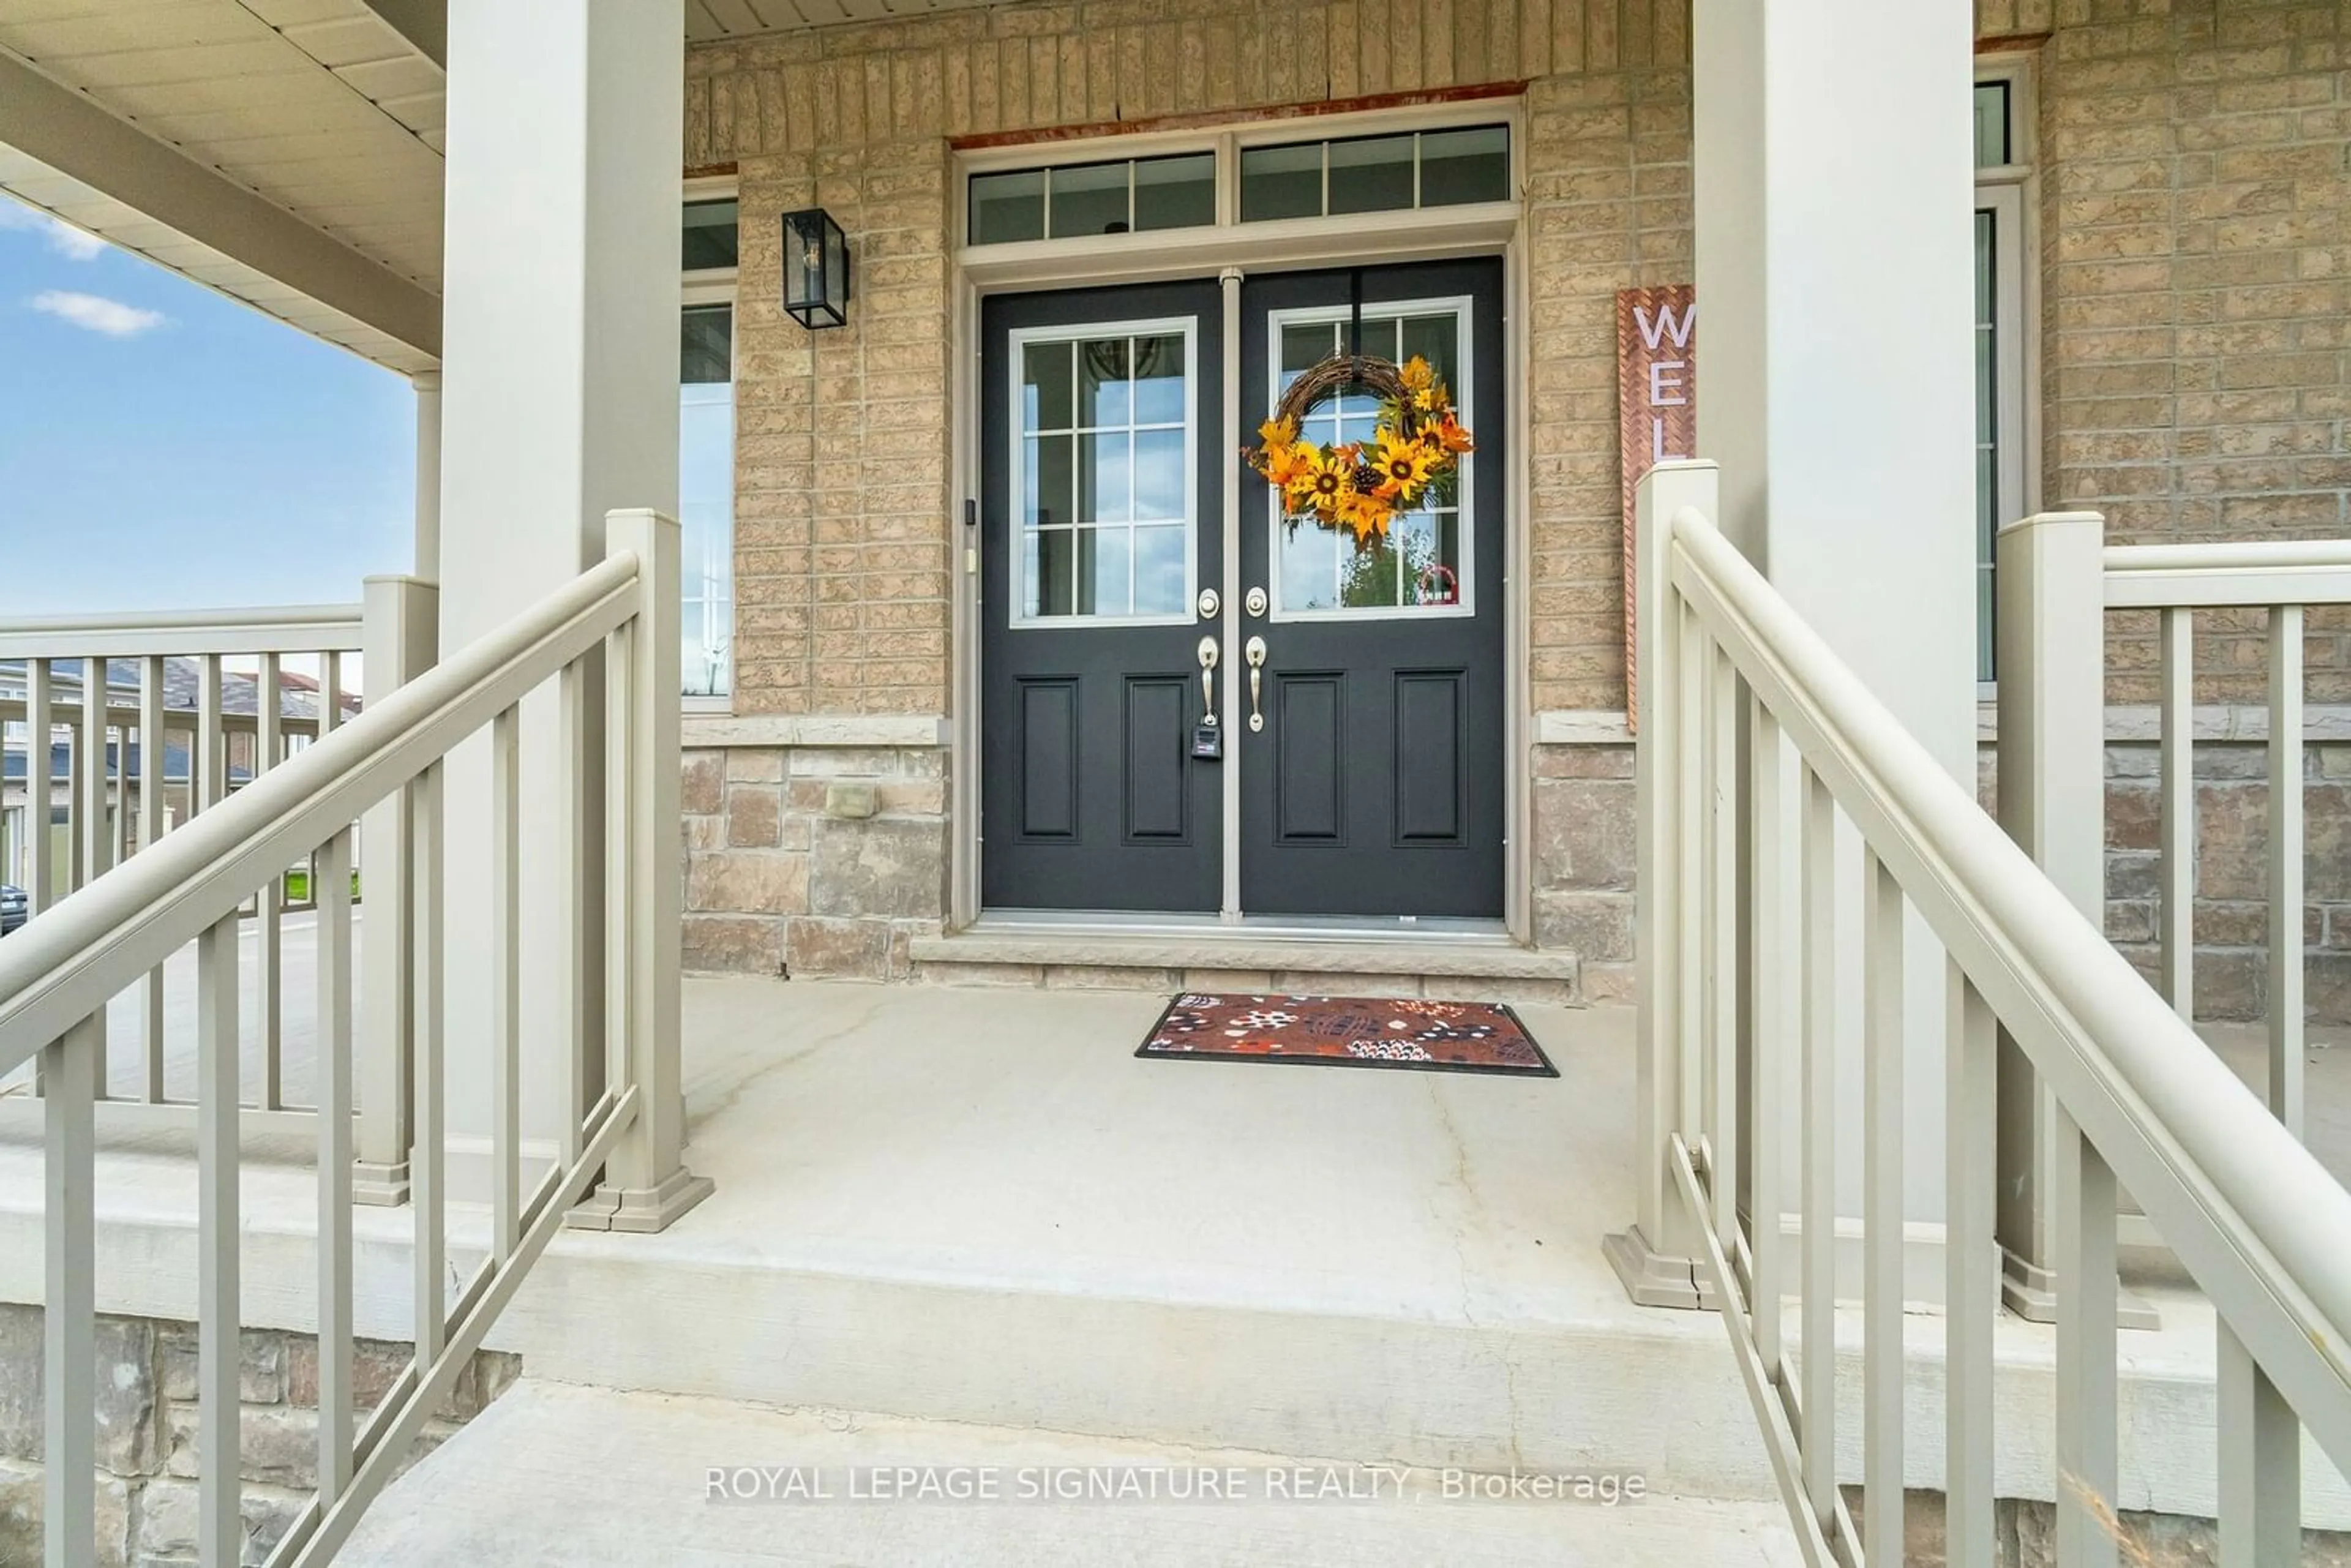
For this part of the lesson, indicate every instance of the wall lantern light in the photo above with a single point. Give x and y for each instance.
(816, 269)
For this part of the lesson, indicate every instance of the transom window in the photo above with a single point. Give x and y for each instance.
(1245, 177)
(1104, 468)
(1418, 568)
(1123, 197)
(1376, 174)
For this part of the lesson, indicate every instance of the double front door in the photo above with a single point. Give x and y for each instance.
(1355, 763)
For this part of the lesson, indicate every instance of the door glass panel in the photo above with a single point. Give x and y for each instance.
(1418, 567)
(1105, 454)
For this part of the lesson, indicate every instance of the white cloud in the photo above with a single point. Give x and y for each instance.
(96, 313)
(61, 238)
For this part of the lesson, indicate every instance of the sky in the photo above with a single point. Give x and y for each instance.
(164, 448)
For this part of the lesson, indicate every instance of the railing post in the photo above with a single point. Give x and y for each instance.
(1655, 1256)
(400, 642)
(2050, 659)
(646, 1185)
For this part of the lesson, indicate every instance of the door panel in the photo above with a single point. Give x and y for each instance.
(1375, 786)
(1100, 428)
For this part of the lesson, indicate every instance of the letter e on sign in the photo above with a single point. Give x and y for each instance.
(1657, 410)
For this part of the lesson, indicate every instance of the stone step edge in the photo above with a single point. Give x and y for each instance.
(1254, 954)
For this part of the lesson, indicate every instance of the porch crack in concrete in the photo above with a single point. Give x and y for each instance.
(1467, 1186)
(734, 1094)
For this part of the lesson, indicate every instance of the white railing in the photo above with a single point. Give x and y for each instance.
(229, 694)
(2066, 580)
(1762, 752)
(621, 1109)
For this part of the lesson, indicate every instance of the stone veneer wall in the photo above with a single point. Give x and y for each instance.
(1586, 823)
(2195, 161)
(813, 860)
(2232, 919)
(147, 1455)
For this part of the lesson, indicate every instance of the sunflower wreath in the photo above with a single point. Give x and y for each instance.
(1363, 487)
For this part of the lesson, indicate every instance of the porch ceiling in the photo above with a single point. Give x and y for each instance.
(287, 152)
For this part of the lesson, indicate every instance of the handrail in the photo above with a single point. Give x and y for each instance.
(285, 629)
(59, 968)
(2022, 942)
(2230, 573)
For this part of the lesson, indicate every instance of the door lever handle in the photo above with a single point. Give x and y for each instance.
(1255, 652)
(1208, 680)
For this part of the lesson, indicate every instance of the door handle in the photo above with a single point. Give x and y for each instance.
(1255, 652)
(1208, 680)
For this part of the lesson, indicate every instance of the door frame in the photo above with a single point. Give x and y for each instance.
(1228, 251)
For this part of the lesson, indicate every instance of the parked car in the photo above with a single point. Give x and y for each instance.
(12, 908)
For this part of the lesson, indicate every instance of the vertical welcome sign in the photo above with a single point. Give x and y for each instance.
(1657, 414)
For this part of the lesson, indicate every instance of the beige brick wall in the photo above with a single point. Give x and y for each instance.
(843, 532)
(2196, 244)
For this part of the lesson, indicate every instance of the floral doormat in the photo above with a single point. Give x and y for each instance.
(1348, 1031)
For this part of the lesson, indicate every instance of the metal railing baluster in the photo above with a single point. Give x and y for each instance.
(2177, 786)
(220, 1528)
(2285, 869)
(1882, 1209)
(69, 1301)
(506, 983)
(1818, 1140)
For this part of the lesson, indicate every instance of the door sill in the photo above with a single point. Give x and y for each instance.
(1248, 930)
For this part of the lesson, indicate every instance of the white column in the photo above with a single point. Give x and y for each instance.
(559, 403)
(1834, 190)
(428, 475)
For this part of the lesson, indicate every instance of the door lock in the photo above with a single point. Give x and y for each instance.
(1207, 736)
(1254, 602)
(1255, 652)
(1210, 602)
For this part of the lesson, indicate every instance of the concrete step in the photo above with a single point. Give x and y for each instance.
(560, 1473)
(1461, 967)
(979, 1206)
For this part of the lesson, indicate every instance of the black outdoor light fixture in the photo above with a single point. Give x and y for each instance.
(816, 269)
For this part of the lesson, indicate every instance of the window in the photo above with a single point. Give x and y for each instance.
(1105, 470)
(1127, 196)
(2002, 442)
(1376, 174)
(709, 238)
(705, 493)
(708, 235)
(1419, 567)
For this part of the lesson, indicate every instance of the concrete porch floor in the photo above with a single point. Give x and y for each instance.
(977, 1211)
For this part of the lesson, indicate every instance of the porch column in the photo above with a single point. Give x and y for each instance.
(559, 366)
(427, 385)
(1834, 191)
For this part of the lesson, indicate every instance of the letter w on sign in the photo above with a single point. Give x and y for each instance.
(1656, 410)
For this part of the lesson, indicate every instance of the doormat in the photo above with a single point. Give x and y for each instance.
(1348, 1031)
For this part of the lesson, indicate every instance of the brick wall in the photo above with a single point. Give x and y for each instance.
(844, 543)
(2196, 271)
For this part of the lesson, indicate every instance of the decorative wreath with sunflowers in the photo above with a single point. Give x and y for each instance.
(1415, 449)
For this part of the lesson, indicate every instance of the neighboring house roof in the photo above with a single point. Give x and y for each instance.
(175, 764)
(298, 694)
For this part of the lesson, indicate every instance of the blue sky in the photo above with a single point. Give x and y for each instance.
(162, 447)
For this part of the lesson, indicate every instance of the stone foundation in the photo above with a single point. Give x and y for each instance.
(813, 860)
(147, 1457)
(2024, 1535)
(1586, 824)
